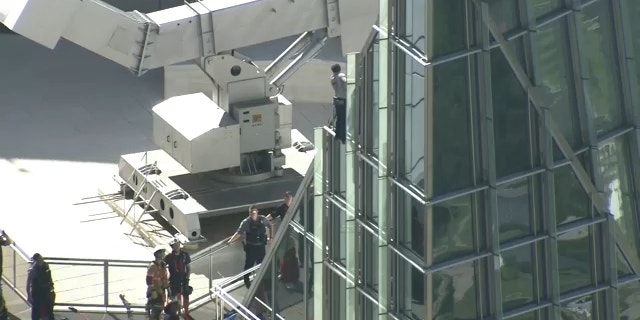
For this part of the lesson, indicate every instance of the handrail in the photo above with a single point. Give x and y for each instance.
(297, 200)
(19, 250)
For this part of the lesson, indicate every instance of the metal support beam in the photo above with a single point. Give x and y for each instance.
(540, 101)
(548, 183)
(315, 43)
(492, 231)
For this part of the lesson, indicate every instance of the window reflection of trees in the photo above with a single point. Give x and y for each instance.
(602, 84)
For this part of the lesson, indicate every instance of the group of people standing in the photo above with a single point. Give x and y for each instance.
(167, 280)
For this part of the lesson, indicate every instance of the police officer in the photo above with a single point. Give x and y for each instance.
(283, 208)
(40, 292)
(4, 241)
(157, 284)
(179, 264)
(256, 232)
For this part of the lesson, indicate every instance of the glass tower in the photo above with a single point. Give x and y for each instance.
(491, 171)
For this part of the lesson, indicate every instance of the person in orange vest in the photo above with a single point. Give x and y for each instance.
(157, 284)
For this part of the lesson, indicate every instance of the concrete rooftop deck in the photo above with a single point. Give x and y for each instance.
(66, 115)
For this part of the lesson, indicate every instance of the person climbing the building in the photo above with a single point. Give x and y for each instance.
(157, 284)
(179, 264)
(256, 232)
(4, 241)
(40, 290)
(283, 208)
(339, 84)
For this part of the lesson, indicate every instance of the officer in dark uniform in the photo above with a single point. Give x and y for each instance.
(283, 208)
(4, 241)
(40, 290)
(256, 231)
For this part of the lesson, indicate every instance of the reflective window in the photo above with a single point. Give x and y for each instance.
(375, 114)
(370, 195)
(450, 21)
(628, 297)
(554, 73)
(511, 116)
(600, 69)
(453, 230)
(368, 89)
(574, 259)
(414, 290)
(514, 210)
(616, 177)
(633, 12)
(412, 222)
(542, 7)
(413, 122)
(452, 156)
(285, 280)
(580, 308)
(624, 269)
(516, 274)
(452, 288)
(572, 202)
(370, 261)
(505, 13)
(414, 17)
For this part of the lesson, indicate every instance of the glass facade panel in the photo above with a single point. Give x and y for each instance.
(632, 13)
(451, 25)
(580, 308)
(555, 76)
(505, 13)
(572, 202)
(369, 264)
(543, 7)
(602, 90)
(412, 220)
(413, 290)
(452, 288)
(413, 250)
(414, 22)
(453, 229)
(511, 116)
(413, 122)
(452, 150)
(628, 297)
(623, 266)
(371, 195)
(616, 173)
(516, 272)
(574, 259)
(514, 210)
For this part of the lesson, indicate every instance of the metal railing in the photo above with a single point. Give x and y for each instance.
(228, 295)
(96, 285)
(15, 264)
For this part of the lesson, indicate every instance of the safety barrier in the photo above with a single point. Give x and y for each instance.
(96, 285)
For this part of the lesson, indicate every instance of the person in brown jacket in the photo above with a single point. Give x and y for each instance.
(157, 284)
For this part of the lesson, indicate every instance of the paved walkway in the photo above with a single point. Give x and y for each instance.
(19, 310)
